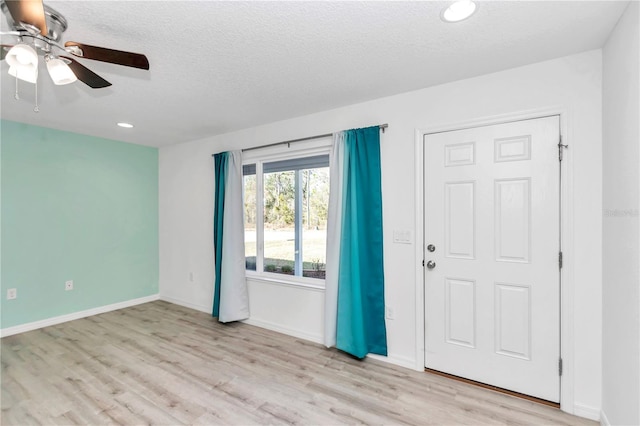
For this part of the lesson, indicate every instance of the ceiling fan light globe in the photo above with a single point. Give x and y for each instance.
(60, 72)
(28, 74)
(22, 55)
(24, 58)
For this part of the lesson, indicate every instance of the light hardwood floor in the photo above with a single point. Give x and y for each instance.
(160, 363)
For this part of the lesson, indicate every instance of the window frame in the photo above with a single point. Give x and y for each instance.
(320, 146)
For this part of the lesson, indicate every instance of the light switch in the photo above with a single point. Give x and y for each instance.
(402, 236)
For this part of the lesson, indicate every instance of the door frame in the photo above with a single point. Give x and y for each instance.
(567, 288)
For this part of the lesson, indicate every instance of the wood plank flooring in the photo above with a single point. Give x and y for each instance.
(163, 364)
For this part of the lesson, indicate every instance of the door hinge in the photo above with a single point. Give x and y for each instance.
(560, 148)
(560, 259)
(560, 366)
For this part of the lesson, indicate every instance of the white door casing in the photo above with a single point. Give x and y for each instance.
(491, 205)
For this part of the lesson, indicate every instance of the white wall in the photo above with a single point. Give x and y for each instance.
(573, 83)
(621, 250)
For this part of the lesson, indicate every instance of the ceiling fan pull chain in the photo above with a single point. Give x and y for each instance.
(16, 96)
(36, 108)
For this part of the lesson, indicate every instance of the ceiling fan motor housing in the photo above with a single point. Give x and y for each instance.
(56, 23)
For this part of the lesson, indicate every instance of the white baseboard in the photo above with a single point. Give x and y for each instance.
(316, 338)
(396, 360)
(604, 421)
(251, 321)
(22, 328)
(300, 334)
(189, 305)
(586, 412)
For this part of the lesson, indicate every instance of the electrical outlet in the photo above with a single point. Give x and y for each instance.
(389, 313)
(12, 293)
(68, 285)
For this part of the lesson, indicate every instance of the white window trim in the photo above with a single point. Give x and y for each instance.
(287, 280)
(320, 146)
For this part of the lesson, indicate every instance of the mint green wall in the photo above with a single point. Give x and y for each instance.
(74, 207)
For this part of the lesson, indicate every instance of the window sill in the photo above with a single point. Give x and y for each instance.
(286, 280)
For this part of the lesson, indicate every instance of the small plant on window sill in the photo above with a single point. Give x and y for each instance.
(317, 265)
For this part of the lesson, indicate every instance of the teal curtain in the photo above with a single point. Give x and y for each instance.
(221, 163)
(360, 325)
(230, 294)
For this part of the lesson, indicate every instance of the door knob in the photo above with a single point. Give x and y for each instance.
(431, 248)
(431, 264)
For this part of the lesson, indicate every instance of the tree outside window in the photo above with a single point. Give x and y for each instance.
(294, 199)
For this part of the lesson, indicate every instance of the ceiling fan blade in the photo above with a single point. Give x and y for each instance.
(85, 75)
(29, 14)
(128, 59)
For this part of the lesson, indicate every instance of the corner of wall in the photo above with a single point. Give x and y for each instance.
(621, 223)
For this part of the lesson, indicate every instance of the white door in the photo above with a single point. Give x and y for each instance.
(492, 300)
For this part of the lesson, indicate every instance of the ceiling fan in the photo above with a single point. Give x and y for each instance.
(39, 30)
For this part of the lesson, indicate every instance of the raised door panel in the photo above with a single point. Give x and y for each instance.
(460, 308)
(460, 220)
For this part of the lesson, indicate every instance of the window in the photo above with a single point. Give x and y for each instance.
(250, 240)
(286, 207)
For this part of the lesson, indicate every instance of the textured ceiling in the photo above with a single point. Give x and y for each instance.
(222, 66)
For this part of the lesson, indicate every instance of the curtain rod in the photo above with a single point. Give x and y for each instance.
(308, 138)
(381, 126)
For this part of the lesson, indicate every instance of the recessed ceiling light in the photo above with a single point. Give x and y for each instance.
(125, 125)
(459, 11)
